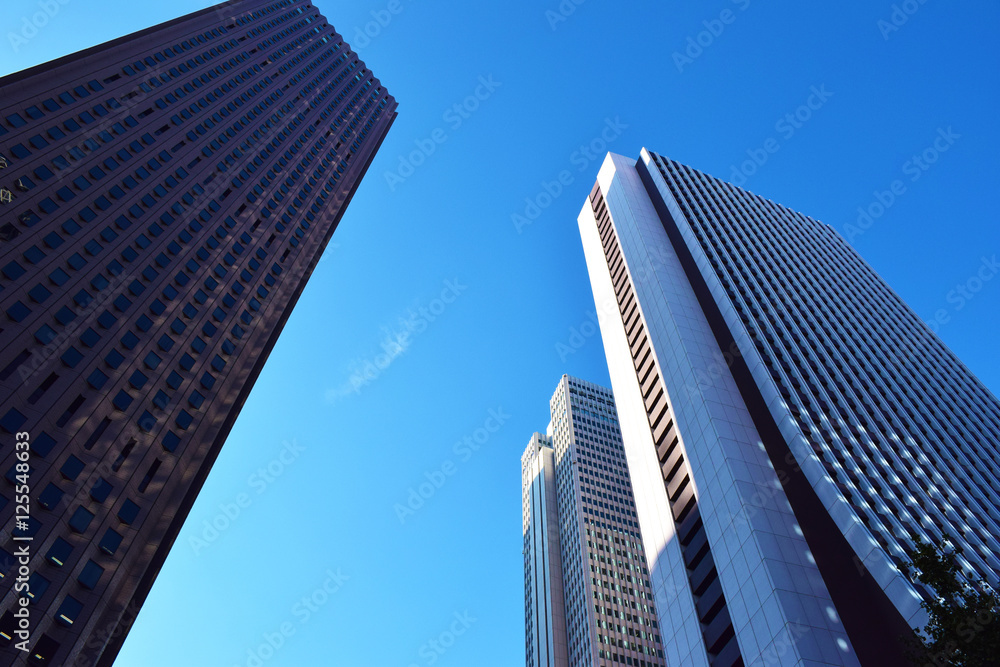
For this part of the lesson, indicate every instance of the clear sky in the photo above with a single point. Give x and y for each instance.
(354, 446)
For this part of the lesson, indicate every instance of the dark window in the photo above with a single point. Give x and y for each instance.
(65, 315)
(171, 441)
(97, 379)
(174, 380)
(196, 399)
(129, 340)
(81, 519)
(90, 575)
(147, 422)
(122, 400)
(138, 379)
(70, 609)
(90, 337)
(39, 293)
(34, 254)
(110, 542)
(128, 512)
(18, 311)
(114, 359)
(107, 319)
(50, 496)
(72, 357)
(59, 552)
(165, 342)
(184, 419)
(161, 400)
(72, 468)
(42, 444)
(13, 271)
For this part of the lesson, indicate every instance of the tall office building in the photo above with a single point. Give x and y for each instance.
(792, 428)
(587, 595)
(165, 198)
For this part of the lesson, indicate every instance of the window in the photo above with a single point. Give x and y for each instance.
(97, 379)
(161, 400)
(59, 552)
(114, 359)
(43, 444)
(184, 419)
(138, 379)
(110, 542)
(90, 575)
(90, 337)
(81, 519)
(71, 357)
(101, 490)
(128, 512)
(50, 496)
(129, 340)
(72, 468)
(122, 400)
(69, 610)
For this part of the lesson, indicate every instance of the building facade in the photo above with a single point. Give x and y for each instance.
(164, 197)
(792, 428)
(588, 598)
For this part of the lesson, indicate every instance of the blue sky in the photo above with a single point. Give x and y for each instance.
(344, 449)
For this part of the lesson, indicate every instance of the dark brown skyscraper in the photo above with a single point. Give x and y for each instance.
(165, 198)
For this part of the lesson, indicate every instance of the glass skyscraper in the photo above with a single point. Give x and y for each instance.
(792, 428)
(164, 198)
(588, 598)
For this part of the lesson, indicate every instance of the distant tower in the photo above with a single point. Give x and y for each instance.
(792, 427)
(166, 196)
(588, 600)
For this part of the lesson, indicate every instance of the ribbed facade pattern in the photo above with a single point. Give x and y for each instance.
(792, 428)
(716, 626)
(544, 610)
(907, 437)
(166, 198)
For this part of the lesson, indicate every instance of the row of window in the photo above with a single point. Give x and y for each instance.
(862, 397)
(71, 607)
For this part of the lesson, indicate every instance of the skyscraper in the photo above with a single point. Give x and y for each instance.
(792, 427)
(165, 198)
(587, 598)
